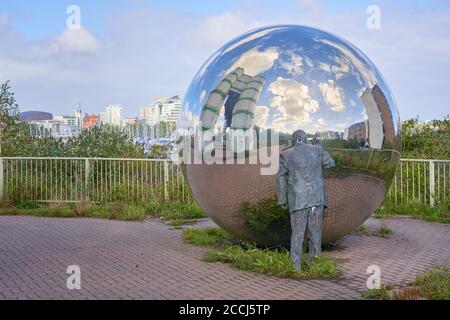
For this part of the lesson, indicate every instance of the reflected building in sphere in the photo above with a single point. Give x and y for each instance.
(250, 96)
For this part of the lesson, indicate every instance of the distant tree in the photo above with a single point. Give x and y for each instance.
(430, 140)
(104, 142)
(159, 152)
(10, 126)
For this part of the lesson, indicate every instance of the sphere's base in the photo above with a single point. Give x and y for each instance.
(225, 189)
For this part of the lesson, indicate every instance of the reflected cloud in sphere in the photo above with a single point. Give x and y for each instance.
(273, 81)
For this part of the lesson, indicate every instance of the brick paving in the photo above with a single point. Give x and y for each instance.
(148, 260)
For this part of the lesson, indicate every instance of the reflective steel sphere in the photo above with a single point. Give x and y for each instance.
(250, 96)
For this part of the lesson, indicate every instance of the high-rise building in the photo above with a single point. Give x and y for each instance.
(164, 109)
(357, 132)
(386, 114)
(65, 120)
(102, 118)
(329, 135)
(90, 121)
(114, 115)
(129, 122)
(170, 109)
(380, 120)
(77, 114)
(149, 114)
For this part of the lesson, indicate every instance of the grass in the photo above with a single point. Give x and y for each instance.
(378, 294)
(362, 229)
(177, 222)
(275, 262)
(178, 210)
(175, 212)
(246, 256)
(206, 236)
(384, 231)
(440, 213)
(433, 284)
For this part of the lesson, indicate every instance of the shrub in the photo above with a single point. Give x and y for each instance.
(384, 231)
(26, 204)
(267, 219)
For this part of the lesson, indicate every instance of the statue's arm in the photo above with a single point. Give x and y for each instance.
(282, 181)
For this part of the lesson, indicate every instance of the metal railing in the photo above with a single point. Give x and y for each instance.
(421, 181)
(91, 179)
(112, 179)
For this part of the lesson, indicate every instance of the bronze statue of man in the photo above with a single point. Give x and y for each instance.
(300, 177)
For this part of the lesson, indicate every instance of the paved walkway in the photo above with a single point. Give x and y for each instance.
(148, 260)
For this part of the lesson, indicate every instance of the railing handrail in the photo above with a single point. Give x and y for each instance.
(84, 158)
(169, 160)
(425, 160)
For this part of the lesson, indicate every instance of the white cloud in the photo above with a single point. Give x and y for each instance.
(320, 123)
(293, 102)
(325, 67)
(262, 116)
(250, 37)
(157, 52)
(70, 42)
(256, 62)
(339, 69)
(293, 65)
(333, 96)
(364, 71)
(78, 41)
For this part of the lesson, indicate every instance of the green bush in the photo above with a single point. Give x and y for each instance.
(267, 219)
(26, 204)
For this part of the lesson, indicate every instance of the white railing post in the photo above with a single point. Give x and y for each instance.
(1, 180)
(166, 180)
(86, 178)
(432, 184)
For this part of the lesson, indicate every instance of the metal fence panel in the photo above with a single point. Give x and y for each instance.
(91, 179)
(110, 179)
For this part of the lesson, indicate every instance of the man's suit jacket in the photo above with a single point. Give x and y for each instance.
(300, 176)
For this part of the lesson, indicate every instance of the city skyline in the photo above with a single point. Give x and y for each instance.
(50, 66)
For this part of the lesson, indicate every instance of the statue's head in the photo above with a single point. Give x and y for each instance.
(299, 137)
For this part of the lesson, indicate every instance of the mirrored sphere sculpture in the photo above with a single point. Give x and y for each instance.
(252, 94)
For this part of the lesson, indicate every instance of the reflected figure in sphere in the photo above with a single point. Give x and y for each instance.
(300, 177)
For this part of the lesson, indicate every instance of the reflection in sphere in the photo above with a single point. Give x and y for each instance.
(252, 94)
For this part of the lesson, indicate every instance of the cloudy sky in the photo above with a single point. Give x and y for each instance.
(130, 52)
